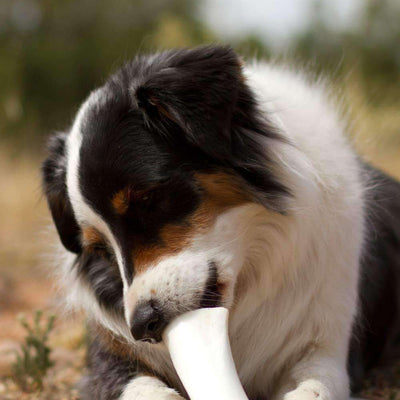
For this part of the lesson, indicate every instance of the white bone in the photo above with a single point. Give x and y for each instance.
(199, 346)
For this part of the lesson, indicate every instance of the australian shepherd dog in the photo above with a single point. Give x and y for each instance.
(190, 179)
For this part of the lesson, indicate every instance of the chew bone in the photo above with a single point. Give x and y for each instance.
(199, 346)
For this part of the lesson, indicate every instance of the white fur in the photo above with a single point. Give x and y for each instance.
(84, 213)
(305, 266)
(179, 279)
(77, 295)
(148, 388)
(296, 291)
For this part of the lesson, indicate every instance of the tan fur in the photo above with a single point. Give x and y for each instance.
(91, 238)
(221, 192)
(120, 201)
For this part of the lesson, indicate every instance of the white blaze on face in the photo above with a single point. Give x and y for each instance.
(83, 212)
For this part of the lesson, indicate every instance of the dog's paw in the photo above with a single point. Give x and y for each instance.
(309, 390)
(151, 393)
(172, 396)
(148, 388)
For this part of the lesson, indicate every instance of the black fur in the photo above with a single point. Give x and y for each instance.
(200, 96)
(109, 373)
(53, 173)
(376, 336)
(102, 274)
(161, 120)
(211, 293)
(99, 271)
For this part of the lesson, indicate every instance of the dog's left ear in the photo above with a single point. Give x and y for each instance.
(197, 90)
(54, 182)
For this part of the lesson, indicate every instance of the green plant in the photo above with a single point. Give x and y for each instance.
(33, 362)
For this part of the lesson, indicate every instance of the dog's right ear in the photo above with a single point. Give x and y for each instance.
(54, 182)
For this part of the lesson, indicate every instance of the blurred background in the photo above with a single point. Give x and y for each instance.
(52, 53)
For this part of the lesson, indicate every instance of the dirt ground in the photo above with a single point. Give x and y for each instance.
(26, 285)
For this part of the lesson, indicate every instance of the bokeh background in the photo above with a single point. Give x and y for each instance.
(52, 53)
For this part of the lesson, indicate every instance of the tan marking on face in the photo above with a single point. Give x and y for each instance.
(174, 237)
(120, 201)
(222, 191)
(91, 237)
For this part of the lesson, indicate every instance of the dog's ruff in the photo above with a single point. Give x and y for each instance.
(286, 265)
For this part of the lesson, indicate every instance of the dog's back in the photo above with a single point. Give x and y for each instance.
(376, 335)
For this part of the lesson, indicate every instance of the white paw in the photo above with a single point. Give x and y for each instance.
(148, 388)
(309, 390)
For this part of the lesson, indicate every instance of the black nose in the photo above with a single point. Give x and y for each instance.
(148, 322)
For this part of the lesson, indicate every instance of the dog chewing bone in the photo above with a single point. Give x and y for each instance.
(199, 346)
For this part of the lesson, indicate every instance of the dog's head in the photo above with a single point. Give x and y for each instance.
(155, 185)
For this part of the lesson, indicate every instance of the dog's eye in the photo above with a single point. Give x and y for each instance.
(142, 197)
(146, 197)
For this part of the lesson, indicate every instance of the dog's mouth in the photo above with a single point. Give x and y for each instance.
(212, 294)
(150, 318)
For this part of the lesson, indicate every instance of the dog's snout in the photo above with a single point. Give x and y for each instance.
(148, 322)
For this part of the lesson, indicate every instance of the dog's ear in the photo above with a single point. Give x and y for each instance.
(196, 90)
(54, 182)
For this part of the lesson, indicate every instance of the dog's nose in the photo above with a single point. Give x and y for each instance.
(148, 322)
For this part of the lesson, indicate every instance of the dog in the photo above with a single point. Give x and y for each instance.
(191, 180)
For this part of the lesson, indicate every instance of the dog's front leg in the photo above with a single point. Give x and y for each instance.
(148, 388)
(317, 377)
(121, 376)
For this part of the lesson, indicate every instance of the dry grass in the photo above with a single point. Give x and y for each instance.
(25, 284)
